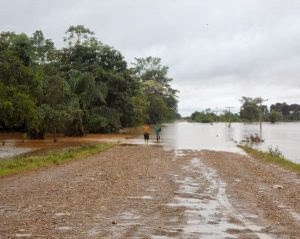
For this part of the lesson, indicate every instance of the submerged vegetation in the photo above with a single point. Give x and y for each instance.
(26, 163)
(273, 156)
(85, 87)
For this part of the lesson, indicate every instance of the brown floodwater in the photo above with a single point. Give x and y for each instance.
(220, 137)
(13, 144)
(177, 136)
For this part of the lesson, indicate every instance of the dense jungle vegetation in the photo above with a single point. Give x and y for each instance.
(85, 87)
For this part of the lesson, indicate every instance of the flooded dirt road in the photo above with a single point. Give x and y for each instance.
(138, 191)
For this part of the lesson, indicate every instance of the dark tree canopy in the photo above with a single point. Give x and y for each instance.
(83, 87)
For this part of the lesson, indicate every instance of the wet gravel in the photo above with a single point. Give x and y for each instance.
(138, 191)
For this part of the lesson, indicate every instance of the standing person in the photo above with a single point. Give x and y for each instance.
(157, 131)
(146, 129)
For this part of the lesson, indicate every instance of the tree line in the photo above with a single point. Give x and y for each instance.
(84, 87)
(252, 109)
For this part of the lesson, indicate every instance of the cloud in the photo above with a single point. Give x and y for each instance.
(217, 51)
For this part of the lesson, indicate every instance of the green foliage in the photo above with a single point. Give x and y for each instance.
(76, 34)
(83, 87)
(15, 62)
(155, 86)
(204, 116)
(274, 116)
(27, 163)
(43, 49)
(140, 108)
(17, 110)
(158, 109)
(251, 108)
(150, 68)
(273, 156)
(234, 117)
(275, 152)
(287, 112)
(207, 116)
(96, 123)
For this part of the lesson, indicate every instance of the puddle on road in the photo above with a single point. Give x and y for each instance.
(210, 214)
(161, 237)
(129, 216)
(295, 215)
(23, 235)
(143, 197)
(199, 209)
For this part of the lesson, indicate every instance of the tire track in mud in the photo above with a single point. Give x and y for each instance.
(208, 212)
(199, 209)
(136, 192)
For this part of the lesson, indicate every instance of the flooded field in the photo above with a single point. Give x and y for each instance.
(220, 137)
(178, 136)
(13, 144)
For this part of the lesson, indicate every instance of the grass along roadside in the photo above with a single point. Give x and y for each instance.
(271, 157)
(26, 163)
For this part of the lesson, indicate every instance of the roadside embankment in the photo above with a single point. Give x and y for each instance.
(274, 157)
(24, 163)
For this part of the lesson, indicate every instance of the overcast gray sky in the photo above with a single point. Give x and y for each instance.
(217, 50)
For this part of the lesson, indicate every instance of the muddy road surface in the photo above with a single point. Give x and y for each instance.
(138, 191)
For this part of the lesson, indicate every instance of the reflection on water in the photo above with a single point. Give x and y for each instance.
(218, 136)
(198, 136)
(10, 148)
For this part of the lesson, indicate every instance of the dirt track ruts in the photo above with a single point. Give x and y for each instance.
(146, 192)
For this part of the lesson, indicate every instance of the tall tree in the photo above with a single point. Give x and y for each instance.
(99, 77)
(43, 49)
(155, 84)
(84, 87)
(250, 108)
(54, 104)
(75, 35)
(15, 61)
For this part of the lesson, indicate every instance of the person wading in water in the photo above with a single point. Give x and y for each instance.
(146, 129)
(157, 131)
